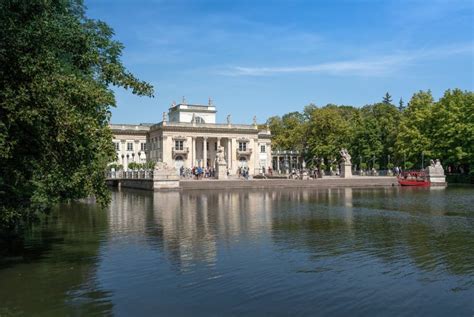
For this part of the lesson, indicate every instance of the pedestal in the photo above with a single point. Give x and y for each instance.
(346, 170)
(165, 177)
(436, 175)
(221, 170)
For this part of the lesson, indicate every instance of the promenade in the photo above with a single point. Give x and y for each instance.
(176, 184)
(327, 182)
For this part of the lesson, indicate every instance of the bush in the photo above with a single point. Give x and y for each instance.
(134, 166)
(115, 166)
(149, 165)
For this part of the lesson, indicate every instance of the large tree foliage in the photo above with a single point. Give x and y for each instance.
(289, 131)
(328, 131)
(413, 139)
(453, 128)
(56, 69)
(425, 129)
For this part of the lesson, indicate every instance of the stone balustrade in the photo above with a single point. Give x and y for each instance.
(134, 174)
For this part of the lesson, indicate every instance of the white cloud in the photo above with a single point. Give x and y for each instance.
(374, 66)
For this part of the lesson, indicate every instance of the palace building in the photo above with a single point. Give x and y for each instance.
(189, 136)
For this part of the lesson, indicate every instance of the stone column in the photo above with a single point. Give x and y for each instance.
(167, 150)
(278, 164)
(204, 152)
(193, 152)
(233, 154)
(214, 158)
(229, 154)
(256, 153)
(189, 157)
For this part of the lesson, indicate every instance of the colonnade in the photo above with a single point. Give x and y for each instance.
(285, 161)
(205, 153)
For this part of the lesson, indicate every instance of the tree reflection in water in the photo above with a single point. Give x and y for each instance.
(262, 252)
(54, 272)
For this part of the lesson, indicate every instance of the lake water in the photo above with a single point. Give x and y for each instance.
(337, 252)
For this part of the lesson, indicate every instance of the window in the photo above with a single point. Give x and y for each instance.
(143, 146)
(243, 146)
(117, 146)
(199, 119)
(129, 146)
(262, 148)
(215, 146)
(207, 146)
(178, 145)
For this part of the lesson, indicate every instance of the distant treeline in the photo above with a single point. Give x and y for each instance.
(385, 133)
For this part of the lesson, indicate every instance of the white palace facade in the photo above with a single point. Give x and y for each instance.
(189, 136)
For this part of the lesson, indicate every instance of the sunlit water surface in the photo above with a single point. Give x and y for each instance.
(346, 252)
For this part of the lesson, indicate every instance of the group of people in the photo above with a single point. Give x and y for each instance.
(397, 170)
(197, 172)
(243, 172)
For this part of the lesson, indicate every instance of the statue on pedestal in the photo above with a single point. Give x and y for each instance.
(221, 165)
(435, 173)
(346, 164)
(345, 156)
(220, 155)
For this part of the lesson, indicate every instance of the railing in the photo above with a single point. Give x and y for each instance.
(183, 150)
(244, 152)
(207, 125)
(136, 174)
(335, 172)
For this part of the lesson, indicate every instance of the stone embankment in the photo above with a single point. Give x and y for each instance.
(159, 182)
(356, 181)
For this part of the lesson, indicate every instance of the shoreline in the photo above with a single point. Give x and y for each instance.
(223, 184)
(329, 182)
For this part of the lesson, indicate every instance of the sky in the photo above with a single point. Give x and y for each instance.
(267, 58)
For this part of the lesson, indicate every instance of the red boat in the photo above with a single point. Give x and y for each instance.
(413, 178)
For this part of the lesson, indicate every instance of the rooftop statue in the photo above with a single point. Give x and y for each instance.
(228, 119)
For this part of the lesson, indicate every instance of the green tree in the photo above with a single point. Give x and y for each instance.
(374, 132)
(56, 70)
(452, 129)
(401, 104)
(387, 99)
(414, 137)
(288, 132)
(328, 131)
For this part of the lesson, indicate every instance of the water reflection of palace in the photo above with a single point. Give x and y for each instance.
(188, 225)
(191, 227)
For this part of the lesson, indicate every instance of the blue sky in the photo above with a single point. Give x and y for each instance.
(268, 58)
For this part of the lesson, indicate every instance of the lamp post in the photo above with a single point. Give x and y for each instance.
(422, 159)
